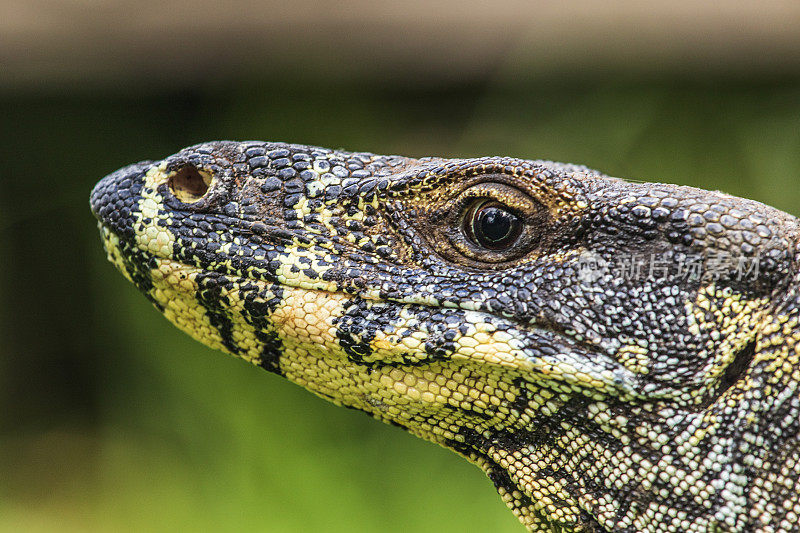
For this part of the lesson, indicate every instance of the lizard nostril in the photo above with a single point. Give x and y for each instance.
(189, 184)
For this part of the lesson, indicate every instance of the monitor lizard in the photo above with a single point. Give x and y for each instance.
(616, 356)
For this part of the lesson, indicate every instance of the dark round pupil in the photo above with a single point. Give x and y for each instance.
(494, 227)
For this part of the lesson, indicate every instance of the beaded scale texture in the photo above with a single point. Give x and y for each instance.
(479, 304)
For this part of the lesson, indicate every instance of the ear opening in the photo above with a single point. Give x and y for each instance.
(734, 371)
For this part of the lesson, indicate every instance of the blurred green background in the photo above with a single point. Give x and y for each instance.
(113, 420)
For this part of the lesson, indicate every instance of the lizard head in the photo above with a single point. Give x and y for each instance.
(550, 323)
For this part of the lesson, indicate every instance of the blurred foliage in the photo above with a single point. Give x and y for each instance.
(113, 420)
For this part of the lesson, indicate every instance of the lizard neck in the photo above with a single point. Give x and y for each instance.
(610, 466)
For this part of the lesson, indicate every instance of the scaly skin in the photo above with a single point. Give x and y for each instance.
(594, 397)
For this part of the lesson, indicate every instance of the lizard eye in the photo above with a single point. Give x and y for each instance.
(487, 225)
(491, 225)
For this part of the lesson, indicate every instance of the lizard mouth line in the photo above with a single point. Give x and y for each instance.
(116, 247)
(166, 262)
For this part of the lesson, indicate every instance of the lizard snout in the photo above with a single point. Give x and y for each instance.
(113, 200)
